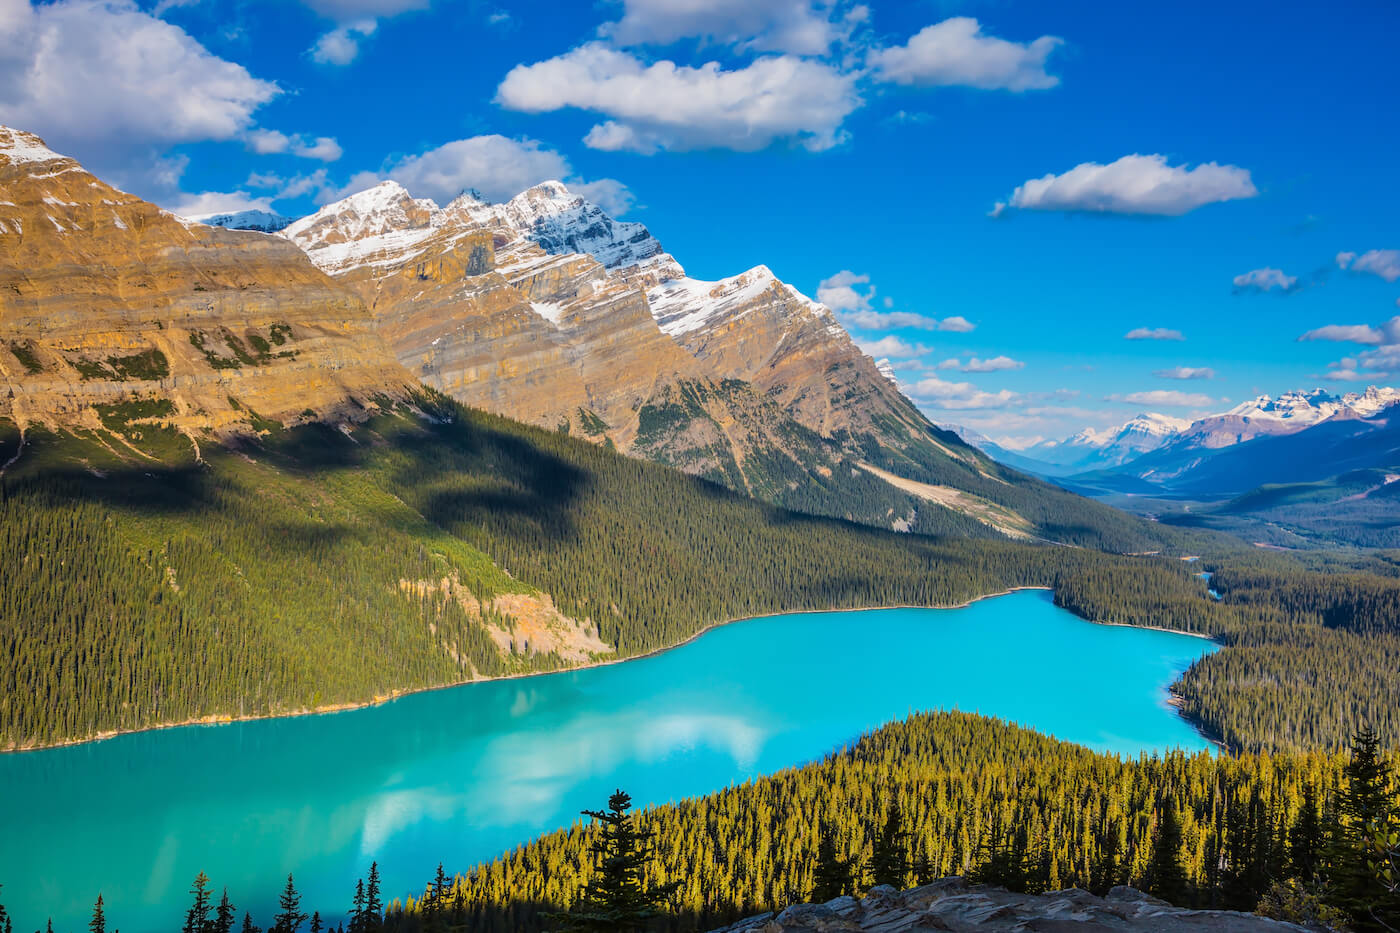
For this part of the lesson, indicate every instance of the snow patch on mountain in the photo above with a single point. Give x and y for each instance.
(20, 147)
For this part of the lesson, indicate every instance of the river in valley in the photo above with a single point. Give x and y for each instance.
(460, 775)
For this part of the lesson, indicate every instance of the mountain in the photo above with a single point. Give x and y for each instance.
(261, 221)
(111, 308)
(1014, 459)
(546, 310)
(1092, 449)
(1227, 453)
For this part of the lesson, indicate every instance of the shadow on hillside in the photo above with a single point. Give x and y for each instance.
(456, 472)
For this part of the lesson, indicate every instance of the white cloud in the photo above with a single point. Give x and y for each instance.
(109, 83)
(839, 293)
(956, 396)
(1153, 333)
(798, 26)
(270, 142)
(1135, 184)
(608, 193)
(892, 347)
(1382, 262)
(218, 202)
(497, 166)
(1376, 363)
(1164, 397)
(956, 52)
(1347, 374)
(267, 142)
(663, 105)
(1386, 333)
(341, 45)
(345, 10)
(1382, 360)
(1186, 372)
(1266, 279)
(355, 20)
(884, 320)
(993, 365)
(842, 295)
(293, 187)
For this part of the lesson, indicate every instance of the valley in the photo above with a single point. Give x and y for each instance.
(256, 470)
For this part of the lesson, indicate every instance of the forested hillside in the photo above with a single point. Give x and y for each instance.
(1008, 805)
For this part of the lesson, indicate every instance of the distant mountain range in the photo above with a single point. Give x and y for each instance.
(1176, 444)
(1303, 467)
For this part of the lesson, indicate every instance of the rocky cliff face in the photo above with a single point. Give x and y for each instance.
(547, 310)
(951, 904)
(107, 300)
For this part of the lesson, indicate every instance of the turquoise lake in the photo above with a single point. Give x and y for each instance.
(460, 775)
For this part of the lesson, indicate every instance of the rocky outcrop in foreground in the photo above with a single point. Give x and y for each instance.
(953, 904)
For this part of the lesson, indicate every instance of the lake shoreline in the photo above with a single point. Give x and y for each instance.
(381, 699)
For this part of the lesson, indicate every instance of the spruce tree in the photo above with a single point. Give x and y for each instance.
(291, 916)
(617, 898)
(5, 922)
(197, 917)
(374, 907)
(248, 925)
(224, 915)
(1306, 840)
(357, 910)
(1165, 873)
(98, 923)
(435, 903)
(889, 855)
(1367, 810)
(316, 921)
(833, 875)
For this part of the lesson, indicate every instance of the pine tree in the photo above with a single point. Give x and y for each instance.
(248, 925)
(618, 898)
(291, 916)
(316, 921)
(357, 910)
(1106, 868)
(833, 875)
(1366, 809)
(5, 923)
(889, 856)
(224, 915)
(374, 907)
(435, 903)
(1306, 840)
(98, 923)
(1003, 857)
(1166, 875)
(197, 918)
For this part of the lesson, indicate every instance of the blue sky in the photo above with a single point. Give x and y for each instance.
(1146, 158)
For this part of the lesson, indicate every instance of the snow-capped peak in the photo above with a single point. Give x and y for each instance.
(20, 147)
(263, 221)
(1301, 408)
(378, 225)
(886, 369)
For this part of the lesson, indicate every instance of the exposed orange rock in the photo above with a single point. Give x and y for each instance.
(105, 298)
